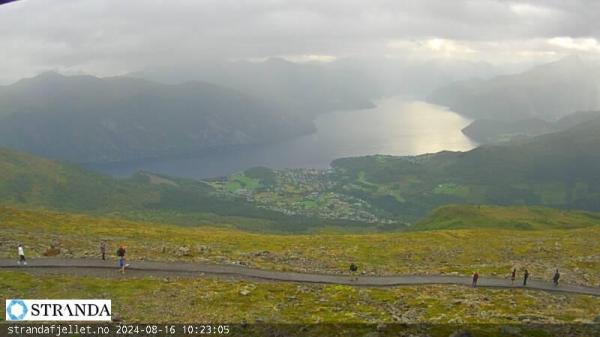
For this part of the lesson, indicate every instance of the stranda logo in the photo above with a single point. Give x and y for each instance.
(16, 310)
(58, 310)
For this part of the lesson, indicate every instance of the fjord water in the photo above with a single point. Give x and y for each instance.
(395, 127)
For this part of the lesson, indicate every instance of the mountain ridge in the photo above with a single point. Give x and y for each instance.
(490, 131)
(549, 91)
(119, 119)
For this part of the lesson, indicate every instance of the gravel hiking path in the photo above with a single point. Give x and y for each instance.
(94, 267)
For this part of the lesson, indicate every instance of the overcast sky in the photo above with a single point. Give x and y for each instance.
(107, 37)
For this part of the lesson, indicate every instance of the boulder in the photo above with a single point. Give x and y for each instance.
(52, 251)
(116, 317)
(183, 251)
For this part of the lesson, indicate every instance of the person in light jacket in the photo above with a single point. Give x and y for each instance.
(21, 252)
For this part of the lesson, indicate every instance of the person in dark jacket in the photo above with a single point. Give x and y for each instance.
(475, 278)
(513, 276)
(556, 278)
(121, 254)
(525, 277)
(353, 270)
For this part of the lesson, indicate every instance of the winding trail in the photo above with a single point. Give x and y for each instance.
(94, 267)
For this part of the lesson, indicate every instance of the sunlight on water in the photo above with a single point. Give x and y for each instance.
(394, 127)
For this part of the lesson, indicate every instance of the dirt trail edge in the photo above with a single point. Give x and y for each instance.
(85, 266)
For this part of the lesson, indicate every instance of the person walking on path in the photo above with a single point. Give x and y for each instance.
(556, 278)
(513, 276)
(103, 249)
(353, 270)
(21, 253)
(475, 278)
(121, 254)
(525, 277)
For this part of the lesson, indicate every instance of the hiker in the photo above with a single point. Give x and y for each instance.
(475, 278)
(121, 254)
(103, 249)
(353, 270)
(513, 276)
(556, 278)
(21, 253)
(525, 277)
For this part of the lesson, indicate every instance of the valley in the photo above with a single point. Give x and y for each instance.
(395, 126)
(554, 170)
(371, 193)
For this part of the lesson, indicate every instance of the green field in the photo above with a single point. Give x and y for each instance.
(509, 217)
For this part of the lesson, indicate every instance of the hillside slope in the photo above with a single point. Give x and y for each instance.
(511, 217)
(39, 182)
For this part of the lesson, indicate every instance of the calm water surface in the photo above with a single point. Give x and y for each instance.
(395, 127)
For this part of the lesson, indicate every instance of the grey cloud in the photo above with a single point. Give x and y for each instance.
(113, 36)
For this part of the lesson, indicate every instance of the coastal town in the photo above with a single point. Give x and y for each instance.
(304, 192)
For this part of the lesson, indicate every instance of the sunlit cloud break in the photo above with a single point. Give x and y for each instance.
(578, 44)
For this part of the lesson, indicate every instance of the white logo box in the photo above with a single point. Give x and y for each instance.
(58, 310)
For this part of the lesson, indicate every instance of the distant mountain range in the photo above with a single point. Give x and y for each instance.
(88, 119)
(304, 90)
(311, 88)
(547, 92)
